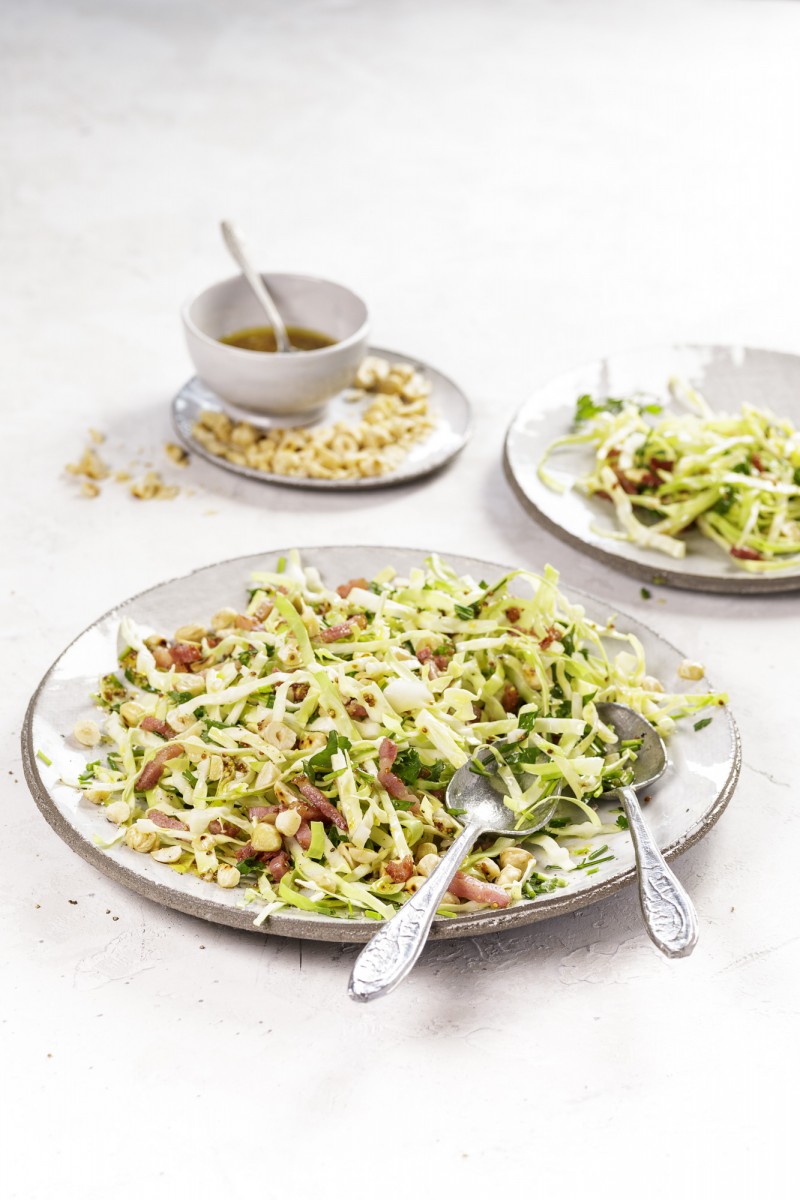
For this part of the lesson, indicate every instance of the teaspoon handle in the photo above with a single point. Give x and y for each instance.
(669, 914)
(237, 252)
(392, 951)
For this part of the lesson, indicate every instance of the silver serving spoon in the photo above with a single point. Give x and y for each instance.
(392, 951)
(233, 241)
(669, 914)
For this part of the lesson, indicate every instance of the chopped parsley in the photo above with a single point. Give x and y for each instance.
(467, 612)
(407, 766)
(321, 762)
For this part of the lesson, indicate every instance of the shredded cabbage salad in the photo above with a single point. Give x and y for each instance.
(300, 749)
(736, 478)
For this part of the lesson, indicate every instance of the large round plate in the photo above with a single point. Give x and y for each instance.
(727, 376)
(448, 404)
(702, 774)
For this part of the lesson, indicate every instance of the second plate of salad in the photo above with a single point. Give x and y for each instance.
(678, 464)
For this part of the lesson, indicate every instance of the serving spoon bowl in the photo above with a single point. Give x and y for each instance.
(390, 955)
(669, 914)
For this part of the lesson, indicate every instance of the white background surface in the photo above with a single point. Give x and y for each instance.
(514, 188)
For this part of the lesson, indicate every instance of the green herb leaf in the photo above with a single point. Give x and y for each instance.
(402, 805)
(586, 408)
(727, 498)
(250, 866)
(88, 775)
(320, 763)
(467, 612)
(702, 724)
(645, 593)
(407, 766)
(622, 821)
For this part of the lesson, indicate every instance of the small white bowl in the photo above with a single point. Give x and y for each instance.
(285, 387)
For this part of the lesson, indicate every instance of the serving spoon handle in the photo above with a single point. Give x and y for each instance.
(669, 914)
(392, 951)
(234, 243)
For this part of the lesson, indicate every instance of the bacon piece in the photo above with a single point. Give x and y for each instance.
(337, 633)
(466, 887)
(303, 835)
(650, 480)
(298, 692)
(185, 653)
(626, 484)
(394, 785)
(387, 753)
(344, 589)
(401, 869)
(165, 822)
(314, 796)
(662, 464)
(263, 610)
(509, 698)
(745, 552)
(441, 662)
(756, 461)
(356, 710)
(266, 813)
(225, 827)
(153, 725)
(279, 865)
(552, 635)
(424, 653)
(153, 771)
(243, 622)
(244, 852)
(308, 812)
(163, 657)
(513, 614)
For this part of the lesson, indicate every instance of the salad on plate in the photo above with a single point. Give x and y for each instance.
(733, 477)
(299, 748)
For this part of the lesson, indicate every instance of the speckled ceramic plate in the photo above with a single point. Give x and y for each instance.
(727, 376)
(702, 774)
(448, 404)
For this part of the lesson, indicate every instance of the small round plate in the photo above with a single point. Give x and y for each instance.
(726, 375)
(451, 433)
(702, 773)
